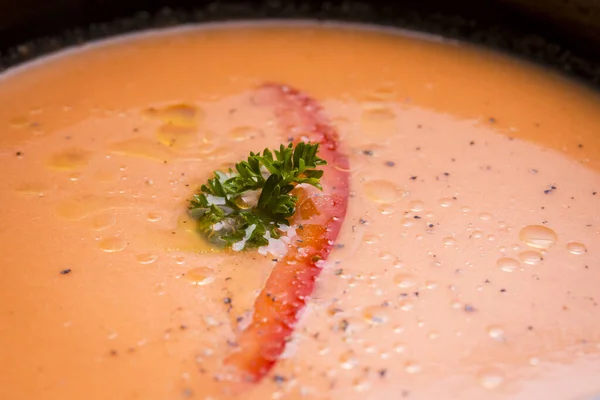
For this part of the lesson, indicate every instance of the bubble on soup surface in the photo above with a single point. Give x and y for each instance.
(538, 236)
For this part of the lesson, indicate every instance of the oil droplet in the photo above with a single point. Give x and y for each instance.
(75, 176)
(176, 136)
(431, 285)
(449, 241)
(399, 348)
(113, 244)
(384, 93)
(348, 360)
(361, 385)
(376, 111)
(378, 121)
(491, 379)
(466, 209)
(69, 159)
(412, 367)
(380, 191)
(177, 114)
(416, 205)
(371, 239)
(433, 335)
(534, 361)
(242, 133)
(445, 202)
(496, 333)
(404, 281)
(153, 217)
(530, 257)
(477, 234)
(386, 209)
(576, 248)
(538, 236)
(32, 189)
(376, 315)
(19, 122)
(485, 216)
(103, 221)
(406, 305)
(144, 148)
(146, 258)
(407, 222)
(508, 264)
(200, 276)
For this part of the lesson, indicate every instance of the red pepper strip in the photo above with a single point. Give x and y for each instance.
(321, 214)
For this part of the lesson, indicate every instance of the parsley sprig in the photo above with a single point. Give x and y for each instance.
(242, 208)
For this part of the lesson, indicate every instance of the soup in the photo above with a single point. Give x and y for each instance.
(466, 265)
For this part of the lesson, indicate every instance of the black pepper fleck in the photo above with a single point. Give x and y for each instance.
(279, 379)
(390, 163)
(19, 154)
(227, 300)
(472, 143)
(413, 177)
(367, 152)
(362, 221)
(382, 372)
(417, 217)
(65, 271)
(343, 325)
(469, 308)
(338, 272)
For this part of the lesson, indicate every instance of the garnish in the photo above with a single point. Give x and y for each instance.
(243, 208)
(318, 222)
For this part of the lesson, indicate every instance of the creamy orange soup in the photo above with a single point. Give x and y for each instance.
(467, 266)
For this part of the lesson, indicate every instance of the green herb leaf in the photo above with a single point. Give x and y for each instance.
(242, 208)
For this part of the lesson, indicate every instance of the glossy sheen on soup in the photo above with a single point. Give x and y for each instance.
(467, 265)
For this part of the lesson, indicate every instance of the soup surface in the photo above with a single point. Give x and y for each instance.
(467, 265)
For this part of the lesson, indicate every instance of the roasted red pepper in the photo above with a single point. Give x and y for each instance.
(319, 218)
